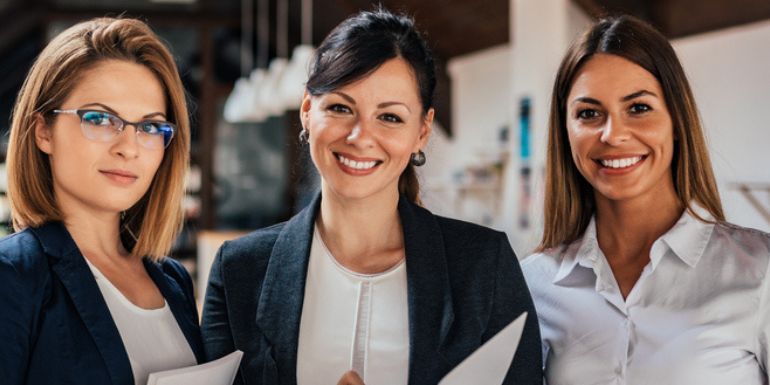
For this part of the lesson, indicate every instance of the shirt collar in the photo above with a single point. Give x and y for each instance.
(580, 252)
(687, 239)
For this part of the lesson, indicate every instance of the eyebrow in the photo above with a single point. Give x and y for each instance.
(631, 96)
(638, 94)
(381, 105)
(112, 111)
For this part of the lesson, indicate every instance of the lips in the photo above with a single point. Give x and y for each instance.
(356, 165)
(120, 176)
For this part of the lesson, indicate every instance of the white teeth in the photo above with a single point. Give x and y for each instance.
(356, 165)
(621, 163)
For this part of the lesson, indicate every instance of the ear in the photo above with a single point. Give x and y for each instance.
(426, 128)
(43, 135)
(304, 109)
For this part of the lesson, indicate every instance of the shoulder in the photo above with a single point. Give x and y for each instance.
(245, 260)
(751, 241)
(23, 252)
(461, 235)
(544, 263)
(541, 268)
(250, 248)
(24, 266)
(469, 247)
(174, 268)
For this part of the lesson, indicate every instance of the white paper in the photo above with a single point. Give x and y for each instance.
(489, 364)
(219, 372)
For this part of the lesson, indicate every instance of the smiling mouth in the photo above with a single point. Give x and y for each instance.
(620, 163)
(357, 165)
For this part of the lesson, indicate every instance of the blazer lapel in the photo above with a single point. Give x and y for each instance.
(428, 293)
(180, 308)
(75, 275)
(283, 290)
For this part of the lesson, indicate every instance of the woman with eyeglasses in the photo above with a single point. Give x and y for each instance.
(365, 285)
(96, 162)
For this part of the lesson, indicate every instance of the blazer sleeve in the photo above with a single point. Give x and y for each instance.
(18, 314)
(511, 298)
(215, 325)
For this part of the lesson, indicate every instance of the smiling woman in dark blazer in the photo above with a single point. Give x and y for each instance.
(86, 296)
(365, 283)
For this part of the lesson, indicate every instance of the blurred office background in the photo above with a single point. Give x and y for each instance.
(243, 63)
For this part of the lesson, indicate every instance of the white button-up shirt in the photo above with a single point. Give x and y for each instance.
(698, 314)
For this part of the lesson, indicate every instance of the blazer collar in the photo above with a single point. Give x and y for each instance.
(183, 310)
(75, 275)
(78, 280)
(428, 290)
(283, 289)
(428, 293)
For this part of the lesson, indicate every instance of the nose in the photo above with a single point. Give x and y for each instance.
(127, 143)
(615, 132)
(360, 134)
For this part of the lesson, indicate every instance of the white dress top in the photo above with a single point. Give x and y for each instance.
(152, 337)
(699, 313)
(352, 321)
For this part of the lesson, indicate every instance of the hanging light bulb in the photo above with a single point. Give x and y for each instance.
(267, 94)
(235, 109)
(292, 85)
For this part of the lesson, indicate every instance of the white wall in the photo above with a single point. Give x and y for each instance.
(480, 109)
(729, 71)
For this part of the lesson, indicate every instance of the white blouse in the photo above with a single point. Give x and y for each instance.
(352, 321)
(152, 337)
(699, 313)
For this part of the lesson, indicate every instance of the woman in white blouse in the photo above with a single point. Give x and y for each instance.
(364, 280)
(638, 278)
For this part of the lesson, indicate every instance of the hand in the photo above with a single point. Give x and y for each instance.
(350, 378)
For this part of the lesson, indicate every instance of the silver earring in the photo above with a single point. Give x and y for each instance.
(418, 158)
(304, 135)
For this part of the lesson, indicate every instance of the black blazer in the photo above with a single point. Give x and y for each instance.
(55, 327)
(464, 285)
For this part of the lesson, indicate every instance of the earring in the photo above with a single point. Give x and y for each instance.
(418, 158)
(304, 135)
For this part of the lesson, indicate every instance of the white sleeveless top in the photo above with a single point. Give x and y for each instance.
(352, 321)
(152, 337)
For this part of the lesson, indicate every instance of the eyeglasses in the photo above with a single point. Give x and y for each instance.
(103, 126)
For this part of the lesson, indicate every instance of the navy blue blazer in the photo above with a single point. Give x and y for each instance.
(464, 284)
(55, 327)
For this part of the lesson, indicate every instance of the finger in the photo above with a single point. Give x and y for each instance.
(350, 378)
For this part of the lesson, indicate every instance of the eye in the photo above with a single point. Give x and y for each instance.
(97, 118)
(152, 128)
(391, 118)
(339, 108)
(640, 108)
(587, 114)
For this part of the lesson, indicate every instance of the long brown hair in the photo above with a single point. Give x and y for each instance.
(569, 198)
(150, 226)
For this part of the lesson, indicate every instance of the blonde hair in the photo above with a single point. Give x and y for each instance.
(149, 227)
(569, 198)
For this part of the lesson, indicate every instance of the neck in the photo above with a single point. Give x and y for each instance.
(627, 229)
(361, 233)
(95, 232)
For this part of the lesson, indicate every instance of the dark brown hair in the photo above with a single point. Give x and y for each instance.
(362, 43)
(569, 198)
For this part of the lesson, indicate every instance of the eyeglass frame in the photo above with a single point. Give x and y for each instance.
(78, 111)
